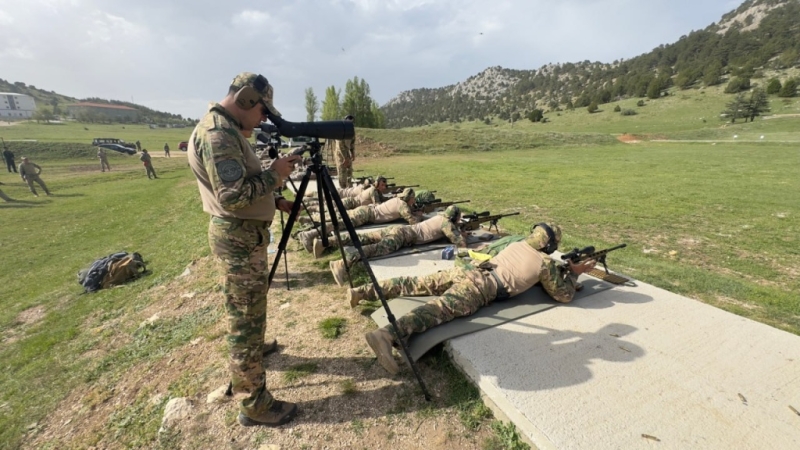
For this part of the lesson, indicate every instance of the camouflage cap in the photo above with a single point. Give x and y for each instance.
(538, 238)
(249, 79)
(425, 196)
(452, 212)
(406, 194)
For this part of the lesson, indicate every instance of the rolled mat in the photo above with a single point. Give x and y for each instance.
(532, 301)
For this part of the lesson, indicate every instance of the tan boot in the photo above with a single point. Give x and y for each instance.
(354, 295)
(278, 414)
(380, 341)
(318, 248)
(339, 273)
(307, 239)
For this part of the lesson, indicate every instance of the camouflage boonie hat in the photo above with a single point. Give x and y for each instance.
(425, 196)
(406, 194)
(538, 238)
(249, 79)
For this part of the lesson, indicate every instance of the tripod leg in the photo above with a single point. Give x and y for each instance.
(305, 208)
(335, 223)
(325, 177)
(287, 231)
(285, 260)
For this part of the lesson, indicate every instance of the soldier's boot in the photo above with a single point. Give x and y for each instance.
(304, 220)
(278, 414)
(578, 286)
(339, 272)
(355, 296)
(380, 341)
(307, 239)
(318, 248)
(270, 346)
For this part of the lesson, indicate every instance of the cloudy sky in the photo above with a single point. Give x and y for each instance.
(179, 55)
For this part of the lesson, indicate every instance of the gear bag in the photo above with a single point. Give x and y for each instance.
(114, 269)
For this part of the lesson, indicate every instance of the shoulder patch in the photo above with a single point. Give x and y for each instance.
(229, 170)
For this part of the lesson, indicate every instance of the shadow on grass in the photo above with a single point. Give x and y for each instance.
(67, 195)
(19, 204)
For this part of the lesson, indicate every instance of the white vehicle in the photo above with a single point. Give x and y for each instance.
(299, 141)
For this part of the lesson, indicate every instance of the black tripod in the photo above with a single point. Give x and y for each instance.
(327, 191)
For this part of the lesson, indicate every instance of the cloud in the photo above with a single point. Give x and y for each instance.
(178, 56)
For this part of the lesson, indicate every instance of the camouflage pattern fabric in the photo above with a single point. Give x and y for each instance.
(103, 160)
(378, 243)
(242, 247)
(343, 154)
(425, 196)
(360, 216)
(464, 297)
(434, 284)
(348, 202)
(557, 281)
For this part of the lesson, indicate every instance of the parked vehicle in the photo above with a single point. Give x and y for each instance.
(183, 146)
(119, 148)
(100, 141)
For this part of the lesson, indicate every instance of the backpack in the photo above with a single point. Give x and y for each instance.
(114, 269)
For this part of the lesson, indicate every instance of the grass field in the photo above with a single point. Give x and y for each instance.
(717, 221)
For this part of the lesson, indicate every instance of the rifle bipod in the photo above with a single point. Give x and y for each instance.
(327, 191)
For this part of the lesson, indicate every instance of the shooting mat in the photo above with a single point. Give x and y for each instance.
(532, 301)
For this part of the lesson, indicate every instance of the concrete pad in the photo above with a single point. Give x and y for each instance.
(639, 367)
(414, 265)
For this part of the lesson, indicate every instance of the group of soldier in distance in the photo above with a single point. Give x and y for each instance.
(241, 194)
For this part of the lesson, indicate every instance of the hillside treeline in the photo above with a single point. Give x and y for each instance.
(720, 53)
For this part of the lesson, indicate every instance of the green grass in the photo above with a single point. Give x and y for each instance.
(298, 371)
(47, 240)
(332, 327)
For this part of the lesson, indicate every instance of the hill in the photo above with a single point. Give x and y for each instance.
(759, 35)
(51, 100)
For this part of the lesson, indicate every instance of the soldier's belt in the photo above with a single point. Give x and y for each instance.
(240, 222)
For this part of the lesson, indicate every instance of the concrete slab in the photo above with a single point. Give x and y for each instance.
(638, 367)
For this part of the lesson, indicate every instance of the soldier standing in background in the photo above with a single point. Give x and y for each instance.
(8, 156)
(148, 164)
(166, 150)
(101, 153)
(30, 172)
(239, 196)
(138, 146)
(344, 153)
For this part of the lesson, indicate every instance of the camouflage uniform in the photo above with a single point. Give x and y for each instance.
(239, 196)
(103, 160)
(392, 239)
(461, 292)
(344, 152)
(30, 172)
(166, 150)
(148, 164)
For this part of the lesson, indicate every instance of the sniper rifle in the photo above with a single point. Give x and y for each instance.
(435, 204)
(471, 222)
(588, 253)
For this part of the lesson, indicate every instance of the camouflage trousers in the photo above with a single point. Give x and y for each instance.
(348, 202)
(150, 170)
(344, 170)
(381, 242)
(360, 216)
(434, 284)
(31, 178)
(242, 248)
(465, 294)
(104, 165)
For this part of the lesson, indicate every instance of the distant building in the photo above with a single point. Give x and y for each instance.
(104, 110)
(18, 106)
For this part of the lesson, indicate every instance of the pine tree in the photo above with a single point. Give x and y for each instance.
(330, 106)
(758, 104)
(774, 86)
(789, 88)
(312, 105)
(736, 108)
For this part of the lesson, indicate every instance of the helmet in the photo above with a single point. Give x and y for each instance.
(407, 194)
(424, 196)
(544, 237)
(452, 213)
(379, 179)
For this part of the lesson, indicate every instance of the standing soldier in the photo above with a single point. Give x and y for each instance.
(30, 172)
(166, 150)
(101, 153)
(148, 164)
(138, 146)
(8, 155)
(239, 196)
(345, 153)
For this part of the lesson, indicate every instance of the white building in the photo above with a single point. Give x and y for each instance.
(18, 106)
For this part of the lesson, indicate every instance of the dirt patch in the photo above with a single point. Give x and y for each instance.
(628, 139)
(372, 149)
(31, 315)
(346, 401)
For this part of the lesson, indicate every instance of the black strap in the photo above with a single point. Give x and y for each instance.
(502, 293)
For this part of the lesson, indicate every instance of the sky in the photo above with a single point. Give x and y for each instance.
(179, 55)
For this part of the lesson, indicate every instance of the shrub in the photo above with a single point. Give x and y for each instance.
(640, 103)
(737, 85)
(628, 112)
(789, 88)
(592, 108)
(774, 86)
(617, 109)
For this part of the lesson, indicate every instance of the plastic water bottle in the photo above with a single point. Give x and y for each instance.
(271, 248)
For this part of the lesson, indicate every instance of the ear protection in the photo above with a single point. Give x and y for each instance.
(455, 211)
(249, 96)
(552, 245)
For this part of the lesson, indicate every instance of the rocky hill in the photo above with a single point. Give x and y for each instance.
(758, 35)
